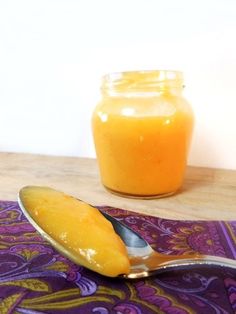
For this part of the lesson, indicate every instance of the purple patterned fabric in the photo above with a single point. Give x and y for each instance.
(35, 279)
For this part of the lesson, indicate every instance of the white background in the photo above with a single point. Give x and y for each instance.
(53, 53)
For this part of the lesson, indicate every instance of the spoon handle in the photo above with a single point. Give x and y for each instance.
(157, 263)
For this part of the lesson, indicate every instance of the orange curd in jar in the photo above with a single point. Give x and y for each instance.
(142, 130)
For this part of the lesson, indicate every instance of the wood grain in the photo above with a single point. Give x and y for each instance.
(206, 194)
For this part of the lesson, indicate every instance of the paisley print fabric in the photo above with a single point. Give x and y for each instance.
(35, 279)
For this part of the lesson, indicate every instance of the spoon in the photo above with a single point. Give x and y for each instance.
(144, 261)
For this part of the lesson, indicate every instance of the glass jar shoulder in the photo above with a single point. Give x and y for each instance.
(163, 105)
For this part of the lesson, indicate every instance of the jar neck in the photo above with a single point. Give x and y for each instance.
(142, 83)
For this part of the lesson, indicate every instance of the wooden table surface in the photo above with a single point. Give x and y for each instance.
(206, 194)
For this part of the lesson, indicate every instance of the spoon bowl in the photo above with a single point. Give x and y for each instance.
(144, 261)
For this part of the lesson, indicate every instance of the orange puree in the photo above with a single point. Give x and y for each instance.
(142, 135)
(80, 228)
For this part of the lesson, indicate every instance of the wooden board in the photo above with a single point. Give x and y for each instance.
(207, 193)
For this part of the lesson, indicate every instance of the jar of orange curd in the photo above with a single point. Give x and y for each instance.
(142, 131)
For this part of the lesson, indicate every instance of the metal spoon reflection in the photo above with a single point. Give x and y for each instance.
(146, 262)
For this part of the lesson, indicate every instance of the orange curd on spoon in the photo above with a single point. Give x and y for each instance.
(79, 228)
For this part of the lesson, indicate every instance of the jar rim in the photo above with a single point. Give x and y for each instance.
(160, 73)
(142, 80)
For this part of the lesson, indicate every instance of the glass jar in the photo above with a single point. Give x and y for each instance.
(142, 130)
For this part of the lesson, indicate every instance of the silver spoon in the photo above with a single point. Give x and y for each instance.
(144, 260)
